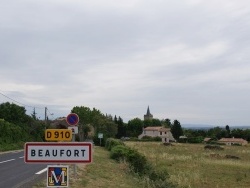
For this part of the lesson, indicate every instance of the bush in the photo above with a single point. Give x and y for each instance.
(119, 152)
(137, 161)
(213, 147)
(111, 142)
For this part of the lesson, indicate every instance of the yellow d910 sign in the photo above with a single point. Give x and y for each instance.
(58, 134)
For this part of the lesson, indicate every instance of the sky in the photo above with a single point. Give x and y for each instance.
(187, 60)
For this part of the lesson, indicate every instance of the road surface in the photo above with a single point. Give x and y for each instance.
(15, 173)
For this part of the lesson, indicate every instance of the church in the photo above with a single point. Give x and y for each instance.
(164, 133)
(148, 115)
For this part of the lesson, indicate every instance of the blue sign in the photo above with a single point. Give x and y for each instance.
(72, 119)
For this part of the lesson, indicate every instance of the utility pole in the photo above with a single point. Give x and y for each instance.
(45, 119)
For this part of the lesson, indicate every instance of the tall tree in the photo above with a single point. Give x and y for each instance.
(167, 123)
(134, 127)
(176, 129)
(228, 132)
(121, 130)
(13, 113)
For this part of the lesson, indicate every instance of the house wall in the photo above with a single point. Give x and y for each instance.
(166, 136)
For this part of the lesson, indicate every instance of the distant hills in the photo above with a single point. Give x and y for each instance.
(206, 127)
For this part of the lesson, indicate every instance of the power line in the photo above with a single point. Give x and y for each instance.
(20, 102)
(46, 109)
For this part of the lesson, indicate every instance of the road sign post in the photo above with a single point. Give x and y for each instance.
(72, 120)
(100, 136)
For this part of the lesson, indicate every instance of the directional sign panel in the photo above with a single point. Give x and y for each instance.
(58, 152)
(58, 134)
(72, 119)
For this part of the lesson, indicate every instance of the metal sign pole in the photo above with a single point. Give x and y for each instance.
(73, 140)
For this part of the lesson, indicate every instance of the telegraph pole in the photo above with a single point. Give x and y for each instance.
(45, 119)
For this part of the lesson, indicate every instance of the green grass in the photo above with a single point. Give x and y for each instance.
(103, 172)
(189, 165)
(9, 147)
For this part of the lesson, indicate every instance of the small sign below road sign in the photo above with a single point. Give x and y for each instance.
(57, 176)
(74, 129)
(58, 135)
(72, 119)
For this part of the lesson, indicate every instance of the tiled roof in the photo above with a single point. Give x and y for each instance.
(232, 140)
(206, 139)
(160, 129)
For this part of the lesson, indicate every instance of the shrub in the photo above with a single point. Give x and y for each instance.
(213, 147)
(119, 152)
(137, 161)
(111, 142)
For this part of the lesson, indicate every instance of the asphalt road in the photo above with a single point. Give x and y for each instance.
(15, 173)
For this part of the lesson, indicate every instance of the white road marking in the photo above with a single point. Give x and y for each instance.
(42, 171)
(7, 161)
(21, 157)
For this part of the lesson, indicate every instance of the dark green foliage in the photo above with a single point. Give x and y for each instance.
(176, 129)
(137, 161)
(111, 142)
(101, 123)
(231, 157)
(213, 147)
(149, 138)
(13, 113)
(140, 166)
(134, 128)
(119, 152)
(16, 127)
(121, 127)
(195, 140)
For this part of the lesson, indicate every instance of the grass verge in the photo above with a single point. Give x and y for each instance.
(103, 172)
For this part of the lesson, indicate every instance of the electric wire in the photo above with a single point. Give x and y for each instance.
(29, 106)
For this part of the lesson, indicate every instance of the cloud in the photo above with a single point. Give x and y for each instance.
(188, 59)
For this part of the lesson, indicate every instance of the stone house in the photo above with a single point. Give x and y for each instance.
(231, 141)
(162, 132)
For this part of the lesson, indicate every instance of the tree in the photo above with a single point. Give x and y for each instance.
(228, 132)
(33, 115)
(13, 113)
(167, 123)
(121, 129)
(156, 122)
(147, 122)
(176, 129)
(134, 128)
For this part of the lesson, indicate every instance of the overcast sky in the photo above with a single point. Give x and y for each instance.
(188, 60)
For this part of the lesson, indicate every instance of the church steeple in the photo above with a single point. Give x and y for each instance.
(148, 115)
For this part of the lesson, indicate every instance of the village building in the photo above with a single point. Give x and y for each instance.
(206, 140)
(148, 115)
(164, 133)
(232, 141)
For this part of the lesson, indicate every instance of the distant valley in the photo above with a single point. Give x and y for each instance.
(206, 127)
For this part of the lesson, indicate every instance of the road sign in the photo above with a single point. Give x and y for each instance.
(74, 129)
(58, 134)
(100, 135)
(72, 119)
(57, 176)
(58, 152)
